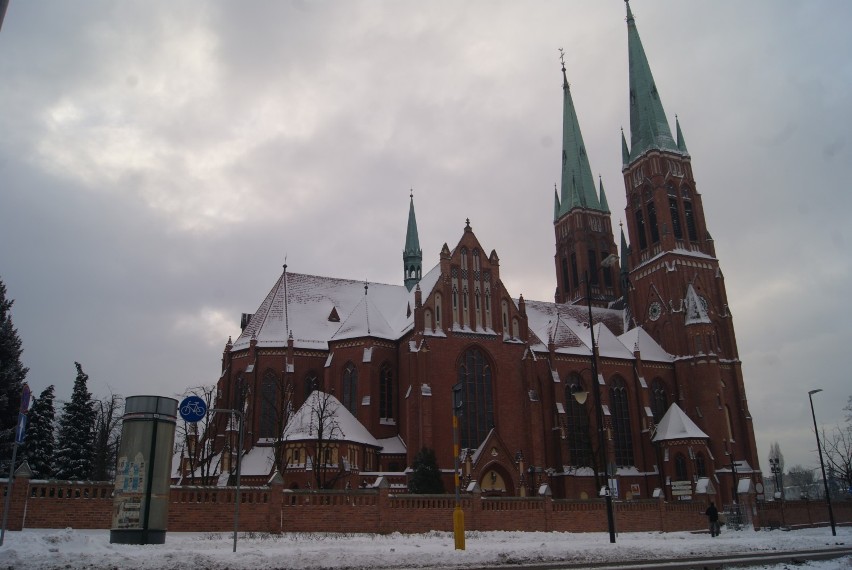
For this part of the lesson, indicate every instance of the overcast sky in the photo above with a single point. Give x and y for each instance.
(158, 161)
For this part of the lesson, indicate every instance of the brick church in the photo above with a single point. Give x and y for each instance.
(630, 378)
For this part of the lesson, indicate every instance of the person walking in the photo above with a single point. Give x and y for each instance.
(713, 516)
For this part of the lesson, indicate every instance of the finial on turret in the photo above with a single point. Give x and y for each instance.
(412, 194)
(565, 84)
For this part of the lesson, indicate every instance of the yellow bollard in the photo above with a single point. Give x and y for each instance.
(458, 527)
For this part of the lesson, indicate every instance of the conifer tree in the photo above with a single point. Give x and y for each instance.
(426, 478)
(12, 376)
(39, 442)
(73, 456)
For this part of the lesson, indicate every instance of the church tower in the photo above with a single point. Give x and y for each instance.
(676, 290)
(412, 255)
(581, 219)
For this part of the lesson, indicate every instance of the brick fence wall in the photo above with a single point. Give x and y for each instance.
(57, 504)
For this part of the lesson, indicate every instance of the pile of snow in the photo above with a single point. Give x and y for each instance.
(91, 549)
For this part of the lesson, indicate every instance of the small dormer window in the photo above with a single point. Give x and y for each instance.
(333, 316)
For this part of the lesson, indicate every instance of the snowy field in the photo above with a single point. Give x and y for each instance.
(73, 549)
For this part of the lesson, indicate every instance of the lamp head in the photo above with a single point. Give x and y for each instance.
(579, 394)
(812, 392)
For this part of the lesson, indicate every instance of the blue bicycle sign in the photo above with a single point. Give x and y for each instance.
(192, 409)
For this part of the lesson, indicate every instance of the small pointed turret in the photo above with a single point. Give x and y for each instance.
(649, 128)
(681, 144)
(555, 202)
(604, 203)
(625, 152)
(578, 185)
(412, 255)
(625, 281)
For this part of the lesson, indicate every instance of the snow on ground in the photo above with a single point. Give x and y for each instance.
(90, 549)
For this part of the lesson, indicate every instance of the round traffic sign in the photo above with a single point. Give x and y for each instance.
(192, 409)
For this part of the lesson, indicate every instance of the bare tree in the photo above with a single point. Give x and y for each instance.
(276, 409)
(837, 446)
(106, 436)
(194, 442)
(317, 422)
(802, 479)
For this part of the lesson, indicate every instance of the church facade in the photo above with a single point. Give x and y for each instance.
(630, 380)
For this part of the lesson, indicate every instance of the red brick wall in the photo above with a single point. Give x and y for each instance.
(51, 504)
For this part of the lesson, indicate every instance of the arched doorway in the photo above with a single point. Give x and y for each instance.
(495, 481)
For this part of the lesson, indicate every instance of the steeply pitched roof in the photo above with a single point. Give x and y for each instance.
(649, 349)
(303, 304)
(339, 424)
(578, 186)
(412, 241)
(649, 128)
(677, 425)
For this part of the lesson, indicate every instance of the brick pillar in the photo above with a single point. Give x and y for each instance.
(20, 492)
(274, 514)
(471, 517)
(383, 524)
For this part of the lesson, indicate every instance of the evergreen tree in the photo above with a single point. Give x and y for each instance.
(426, 478)
(38, 445)
(12, 376)
(73, 457)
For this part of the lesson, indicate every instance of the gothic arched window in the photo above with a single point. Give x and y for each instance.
(350, 387)
(622, 437)
(700, 465)
(385, 392)
(311, 384)
(477, 414)
(268, 404)
(659, 400)
(577, 429)
(640, 229)
(680, 467)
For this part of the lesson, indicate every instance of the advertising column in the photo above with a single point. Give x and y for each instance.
(143, 475)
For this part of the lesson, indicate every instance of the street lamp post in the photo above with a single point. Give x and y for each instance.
(458, 513)
(610, 518)
(821, 464)
(775, 467)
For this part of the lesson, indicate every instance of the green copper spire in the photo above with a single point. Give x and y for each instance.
(625, 152)
(578, 185)
(649, 128)
(681, 144)
(604, 204)
(412, 255)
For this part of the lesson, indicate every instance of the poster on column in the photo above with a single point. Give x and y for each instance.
(129, 492)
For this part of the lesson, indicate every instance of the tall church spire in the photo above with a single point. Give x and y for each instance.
(412, 255)
(578, 185)
(649, 129)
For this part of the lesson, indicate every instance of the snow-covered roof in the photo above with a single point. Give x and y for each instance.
(392, 445)
(319, 309)
(338, 423)
(649, 349)
(568, 326)
(677, 425)
(258, 461)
